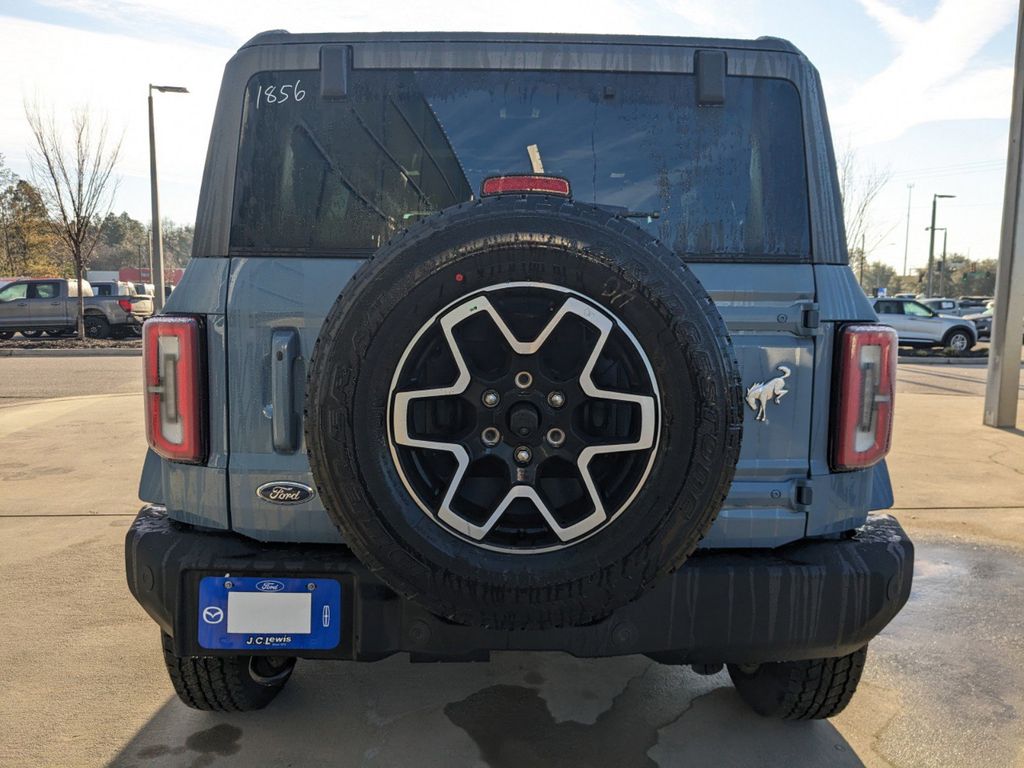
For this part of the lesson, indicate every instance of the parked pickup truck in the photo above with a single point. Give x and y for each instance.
(50, 306)
(519, 342)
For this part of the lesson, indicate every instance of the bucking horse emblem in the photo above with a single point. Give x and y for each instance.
(760, 393)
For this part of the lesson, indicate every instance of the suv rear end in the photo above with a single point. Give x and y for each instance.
(712, 161)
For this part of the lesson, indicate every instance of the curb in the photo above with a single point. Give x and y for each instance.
(908, 360)
(101, 352)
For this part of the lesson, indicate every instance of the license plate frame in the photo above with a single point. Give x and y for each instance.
(231, 609)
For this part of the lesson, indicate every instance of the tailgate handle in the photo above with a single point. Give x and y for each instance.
(284, 351)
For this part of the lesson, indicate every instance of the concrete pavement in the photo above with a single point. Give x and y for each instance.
(36, 378)
(951, 475)
(83, 682)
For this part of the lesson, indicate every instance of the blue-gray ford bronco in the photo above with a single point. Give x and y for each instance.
(519, 342)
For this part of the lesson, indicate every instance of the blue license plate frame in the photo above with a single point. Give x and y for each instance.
(213, 613)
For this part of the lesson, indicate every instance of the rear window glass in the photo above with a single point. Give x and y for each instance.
(335, 176)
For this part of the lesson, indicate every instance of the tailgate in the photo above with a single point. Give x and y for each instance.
(771, 313)
(274, 311)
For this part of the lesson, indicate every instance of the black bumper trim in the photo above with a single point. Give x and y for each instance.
(810, 599)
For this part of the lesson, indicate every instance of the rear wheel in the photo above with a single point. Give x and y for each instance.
(32, 334)
(226, 683)
(5, 335)
(97, 327)
(800, 690)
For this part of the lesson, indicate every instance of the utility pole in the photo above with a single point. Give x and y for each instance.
(157, 248)
(931, 242)
(906, 239)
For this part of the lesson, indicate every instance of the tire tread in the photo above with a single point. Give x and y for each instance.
(813, 689)
(214, 683)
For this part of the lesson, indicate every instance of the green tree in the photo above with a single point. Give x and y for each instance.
(961, 276)
(124, 242)
(27, 246)
(880, 275)
(177, 244)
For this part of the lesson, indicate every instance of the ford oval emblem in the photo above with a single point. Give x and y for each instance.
(269, 585)
(285, 492)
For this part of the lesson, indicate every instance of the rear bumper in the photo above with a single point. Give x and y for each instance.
(810, 599)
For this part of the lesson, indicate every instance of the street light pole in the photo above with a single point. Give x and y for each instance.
(942, 263)
(156, 260)
(942, 266)
(931, 242)
(906, 240)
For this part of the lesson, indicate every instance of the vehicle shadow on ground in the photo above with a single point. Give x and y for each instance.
(520, 710)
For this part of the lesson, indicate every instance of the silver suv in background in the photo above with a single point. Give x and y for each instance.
(919, 326)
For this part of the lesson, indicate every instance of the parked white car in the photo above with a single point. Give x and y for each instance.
(918, 326)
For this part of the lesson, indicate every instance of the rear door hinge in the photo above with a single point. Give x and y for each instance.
(803, 495)
(810, 317)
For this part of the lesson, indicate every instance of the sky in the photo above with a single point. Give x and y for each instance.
(918, 89)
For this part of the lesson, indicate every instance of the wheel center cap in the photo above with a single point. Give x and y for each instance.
(523, 419)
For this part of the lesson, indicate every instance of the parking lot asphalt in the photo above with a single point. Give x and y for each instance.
(83, 684)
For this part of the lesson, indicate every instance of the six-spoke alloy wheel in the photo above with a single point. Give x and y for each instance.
(524, 444)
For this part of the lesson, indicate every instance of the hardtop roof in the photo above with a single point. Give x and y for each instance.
(283, 37)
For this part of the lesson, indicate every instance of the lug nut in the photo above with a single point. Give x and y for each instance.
(523, 454)
(556, 399)
(555, 437)
(490, 398)
(490, 436)
(524, 379)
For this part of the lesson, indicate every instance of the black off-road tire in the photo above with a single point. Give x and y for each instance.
(800, 690)
(447, 258)
(97, 327)
(226, 683)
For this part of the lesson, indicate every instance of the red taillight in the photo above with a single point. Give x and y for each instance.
(172, 358)
(867, 386)
(125, 304)
(527, 182)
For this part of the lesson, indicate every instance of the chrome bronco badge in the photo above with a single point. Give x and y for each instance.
(760, 393)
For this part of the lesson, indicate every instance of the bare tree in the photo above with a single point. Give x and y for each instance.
(858, 192)
(76, 181)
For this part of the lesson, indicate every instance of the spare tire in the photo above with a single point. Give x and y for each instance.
(522, 412)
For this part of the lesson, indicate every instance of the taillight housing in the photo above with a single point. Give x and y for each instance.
(864, 405)
(525, 182)
(125, 304)
(172, 357)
